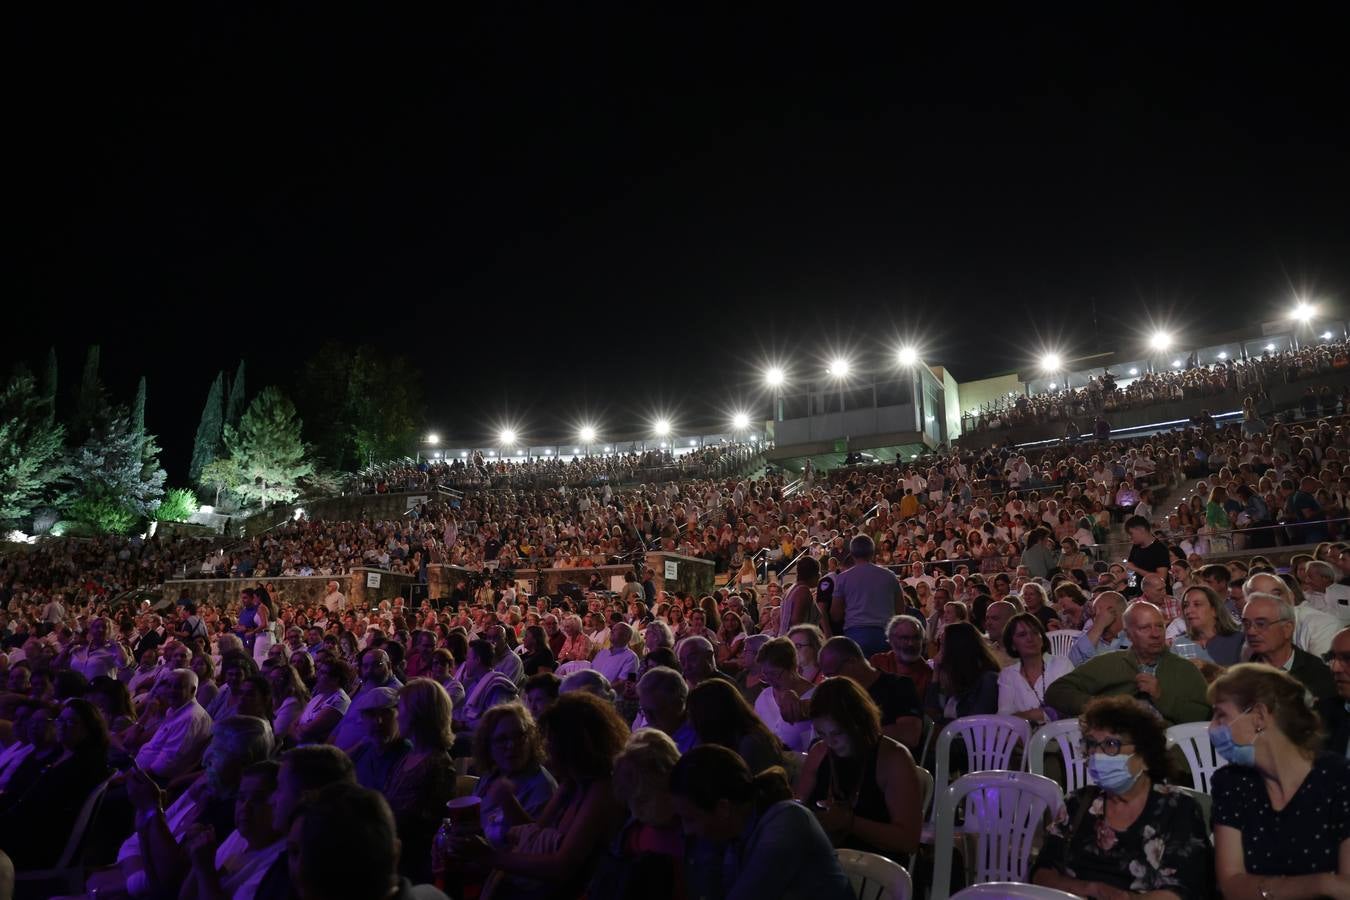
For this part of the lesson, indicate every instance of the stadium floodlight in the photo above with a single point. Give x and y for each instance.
(907, 356)
(662, 428)
(433, 438)
(507, 437)
(693, 442)
(1223, 354)
(1176, 364)
(774, 376)
(576, 450)
(1053, 385)
(740, 421)
(587, 434)
(1051, 362)
(1160, 341)
(1303, 311)
(839, 367)
(609, 449)
(1134, 371)
(1326, 335)
(548, 452)
(1270, 347)
(464, 454)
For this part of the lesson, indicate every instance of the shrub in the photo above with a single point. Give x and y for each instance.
(178, 505)
(104, 514)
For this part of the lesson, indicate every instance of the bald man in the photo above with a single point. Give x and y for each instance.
(1106, 631)
(1148, 671)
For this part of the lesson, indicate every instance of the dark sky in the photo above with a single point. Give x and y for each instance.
(563, 215)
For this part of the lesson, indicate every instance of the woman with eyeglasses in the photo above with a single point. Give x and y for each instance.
(1281, 806)
(508, 754)
(1128, 833)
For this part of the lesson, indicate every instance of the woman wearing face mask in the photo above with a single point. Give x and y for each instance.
(1281, 808)
(1127, 834)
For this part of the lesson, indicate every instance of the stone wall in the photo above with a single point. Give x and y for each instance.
(691, 574)
(306, 590)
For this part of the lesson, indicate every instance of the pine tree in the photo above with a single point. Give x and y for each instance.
(207, 443)
(90, 401)
(152, 476)
(267, 449)
(49, 383)
(30, 449)
(234, 407)
(138, 408)
(110, 468)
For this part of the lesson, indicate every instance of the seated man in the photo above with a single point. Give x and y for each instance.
(996, 618)
(1149, 671)
(346, 846)
(233, 868)
(1269, 625)
(484, 687)
(908, 639)
(894, 695)
(698, 661)
(617, 660)
(1335, 710)
(176, 745)
(1313, 629)
(380, 753)
(662, 695)
(1106, 632)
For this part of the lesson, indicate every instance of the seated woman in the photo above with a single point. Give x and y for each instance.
(1281, 807)
(1128, 833)
(808, 639)
(720, 715)
(1211, 633)
(1022, 685)
(863, 786)
(537, 656)
(508, 756)
(34, 830)
(424, 779)
(552, 856)
(320, 717)
(289, 697)
(443, 673)
(778, 846)
(782, 707)
(965, 677)
(646, 859)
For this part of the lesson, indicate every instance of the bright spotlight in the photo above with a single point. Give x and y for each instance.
(433, 438)
(587, 434)
(662, 428)
(693, 443)
(908, 356)
(1326, 335)
(1053, 385)
(839, 367)
(609, 449)
(1223, 354)
(1176, 364)
(464, 454)
(1051, 362)
(1303, 311)
(1160, 341)
(576, 450)
(774, 376)
(548, 452)
(740, 421)
(1270, 347)
(507, 438)
(1134, 371)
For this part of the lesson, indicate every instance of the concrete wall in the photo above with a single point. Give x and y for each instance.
(308, 590)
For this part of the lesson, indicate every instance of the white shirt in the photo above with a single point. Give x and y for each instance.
(335, 602)
(242, 870)
(1335, 601)
(177, 742)
(1314, 629)
(615, 663)
(796, 736)
(92, 662)
(1015, 695)
(319, 702)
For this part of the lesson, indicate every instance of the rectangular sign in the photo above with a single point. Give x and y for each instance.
(372, 579)
(416, 500)
(672, 570)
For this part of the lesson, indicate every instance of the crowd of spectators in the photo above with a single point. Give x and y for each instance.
(1112, 391)
(624, 742)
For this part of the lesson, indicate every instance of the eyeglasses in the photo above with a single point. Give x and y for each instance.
(1109, 746)
(1332, 656)
(1260, 624)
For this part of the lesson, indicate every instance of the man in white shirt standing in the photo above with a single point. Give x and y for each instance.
(334, 601)
(618, 660)
(178, 741)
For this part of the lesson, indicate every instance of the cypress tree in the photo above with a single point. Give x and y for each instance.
(89, 400)
(207, 442)
(49, 383)
(138, 409)
(234, 407)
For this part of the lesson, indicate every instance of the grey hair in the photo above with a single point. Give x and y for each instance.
(1284, 609)
(666, 681)
(696, 640)
(227, 642)
(589, 681)
(754, 642)
(908, 620)
(1321, 565)
(667, 636)
(247, 737)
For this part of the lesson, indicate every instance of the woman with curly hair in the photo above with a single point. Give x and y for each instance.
(1128, 832)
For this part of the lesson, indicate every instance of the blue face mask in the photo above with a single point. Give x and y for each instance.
(1112, 773)
(1221, 736)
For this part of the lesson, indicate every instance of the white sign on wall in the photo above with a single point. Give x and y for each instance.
(672, 570)
(372, 579)
(415, 501)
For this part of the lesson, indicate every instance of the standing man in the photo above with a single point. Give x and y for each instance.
(865, 598)
(334, 601)
(1148, 555)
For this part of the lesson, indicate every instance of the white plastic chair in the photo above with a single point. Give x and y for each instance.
(990, 742)
(1066, 734)
(69, 868)
(874, 877)
(1062, 640)
(1193, 739)
(575, 665)
(1011, 890)
(1004, 810)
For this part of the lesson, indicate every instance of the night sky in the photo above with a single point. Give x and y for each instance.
(564, 215)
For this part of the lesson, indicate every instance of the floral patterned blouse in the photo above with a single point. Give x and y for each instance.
(1167, 847)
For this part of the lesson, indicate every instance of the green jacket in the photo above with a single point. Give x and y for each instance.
(1182, 687)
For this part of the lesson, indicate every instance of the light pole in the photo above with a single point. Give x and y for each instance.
(774, 376)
